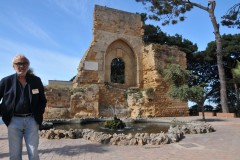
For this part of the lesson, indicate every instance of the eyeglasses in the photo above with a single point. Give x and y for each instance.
(21, 64)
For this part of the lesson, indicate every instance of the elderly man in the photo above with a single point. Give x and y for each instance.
(22, 107)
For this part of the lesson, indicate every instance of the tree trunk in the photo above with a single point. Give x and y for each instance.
(221, 72)
(203, 114)
(201, 105)
(237, 97)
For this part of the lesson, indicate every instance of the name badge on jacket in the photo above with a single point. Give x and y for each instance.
(35, 91)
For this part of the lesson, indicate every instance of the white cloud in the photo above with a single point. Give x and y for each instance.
(47, 64)
(35, 30)
(25, 25)
(72, 7)
(79, 8)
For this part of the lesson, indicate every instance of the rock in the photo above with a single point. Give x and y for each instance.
(46, 126)
(174, 134)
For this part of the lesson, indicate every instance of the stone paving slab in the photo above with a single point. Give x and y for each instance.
(224, 144)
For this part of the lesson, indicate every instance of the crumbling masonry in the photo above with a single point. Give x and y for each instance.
(143, 93)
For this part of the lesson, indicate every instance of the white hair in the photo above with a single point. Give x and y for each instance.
(20, 56)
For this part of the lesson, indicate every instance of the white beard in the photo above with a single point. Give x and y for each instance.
(21, 72)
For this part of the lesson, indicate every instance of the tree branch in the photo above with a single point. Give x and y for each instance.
(199, 6)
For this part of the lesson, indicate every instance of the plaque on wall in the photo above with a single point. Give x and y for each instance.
(93, 66)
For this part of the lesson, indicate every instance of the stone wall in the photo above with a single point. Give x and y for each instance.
(85, 102)
(115, 34)
(72, 103)
(118, 34)
(117, 21)
(62, 84)
(58, 102)
(155, 57)
(112, 101)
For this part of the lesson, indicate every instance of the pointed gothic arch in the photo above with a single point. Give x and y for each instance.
(120, 51)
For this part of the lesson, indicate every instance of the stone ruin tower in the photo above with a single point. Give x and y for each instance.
(116, 34)
(139, 90)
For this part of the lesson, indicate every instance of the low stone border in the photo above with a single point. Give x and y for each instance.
(219, 114)
(175, 133)
(208, 114)
(226, 115)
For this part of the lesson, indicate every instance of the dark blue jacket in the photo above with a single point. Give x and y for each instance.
(8, 90)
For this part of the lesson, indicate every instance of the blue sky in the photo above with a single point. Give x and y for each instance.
(54, 34)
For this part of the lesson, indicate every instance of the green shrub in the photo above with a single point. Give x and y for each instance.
(115, 124)
(149, 91)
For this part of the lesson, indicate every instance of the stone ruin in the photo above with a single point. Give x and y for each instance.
(139, 91)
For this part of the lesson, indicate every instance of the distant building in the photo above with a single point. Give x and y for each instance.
(58, 83)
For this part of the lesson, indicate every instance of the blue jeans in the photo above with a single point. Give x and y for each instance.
(27, 128)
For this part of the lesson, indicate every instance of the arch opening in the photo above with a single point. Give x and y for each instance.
(117, 71)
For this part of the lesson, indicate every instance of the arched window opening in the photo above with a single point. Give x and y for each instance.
(117, 71)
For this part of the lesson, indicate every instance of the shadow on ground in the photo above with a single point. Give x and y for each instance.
(74, 150)
(3, 155)
(67, 150)
(5, 138)
(211, 120)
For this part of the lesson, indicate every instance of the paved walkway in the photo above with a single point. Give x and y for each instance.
(224, 144)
